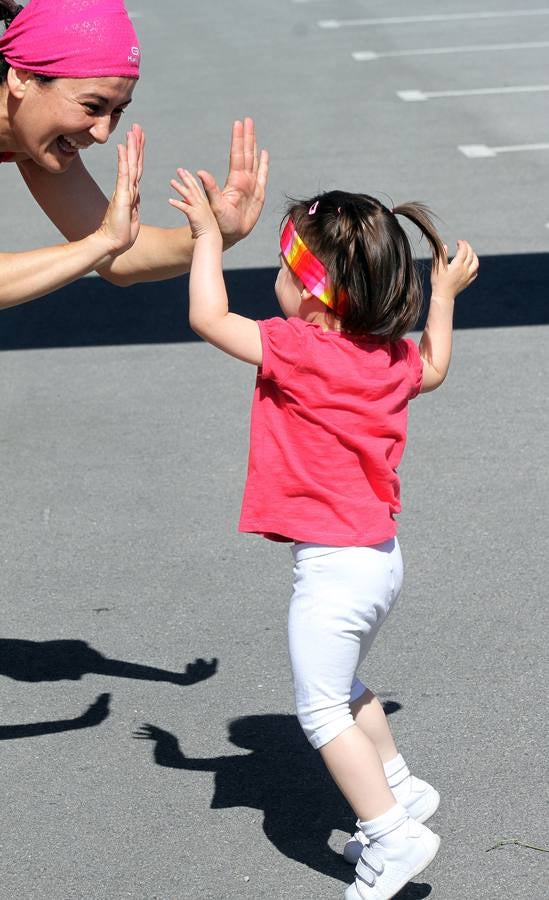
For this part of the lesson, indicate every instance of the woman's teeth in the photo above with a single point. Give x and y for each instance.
(69, 145)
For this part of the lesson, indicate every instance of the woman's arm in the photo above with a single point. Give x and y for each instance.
(447, 281)
(28, 275)
(209, 312)
(75, 204)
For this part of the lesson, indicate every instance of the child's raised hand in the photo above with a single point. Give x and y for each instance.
(449, 279)
(194, 203)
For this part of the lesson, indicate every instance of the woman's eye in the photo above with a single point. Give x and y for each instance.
(91, 107)
(118, 112)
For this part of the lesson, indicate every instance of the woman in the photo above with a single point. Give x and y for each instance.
(67, 73)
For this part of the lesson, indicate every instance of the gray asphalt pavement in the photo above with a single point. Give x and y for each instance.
(132, 764)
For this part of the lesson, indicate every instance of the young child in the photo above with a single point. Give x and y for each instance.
(328, 430)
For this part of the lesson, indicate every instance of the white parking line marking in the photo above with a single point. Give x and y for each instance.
(416, 96)
(368, 55)
(478, 151)
(441, 17)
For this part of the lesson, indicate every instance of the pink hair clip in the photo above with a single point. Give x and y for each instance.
(313, 208)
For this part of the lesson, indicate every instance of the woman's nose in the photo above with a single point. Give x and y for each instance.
(101, 129)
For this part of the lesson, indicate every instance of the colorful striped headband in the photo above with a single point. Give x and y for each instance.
(305, 265)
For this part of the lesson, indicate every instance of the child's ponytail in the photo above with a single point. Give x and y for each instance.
(420, 216)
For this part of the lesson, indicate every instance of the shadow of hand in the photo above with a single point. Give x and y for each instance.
(97, 712)
(148, 732)
(199, 670)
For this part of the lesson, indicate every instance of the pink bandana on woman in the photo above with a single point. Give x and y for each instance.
(73, 39)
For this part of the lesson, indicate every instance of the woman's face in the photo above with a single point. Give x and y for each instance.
(55, 120)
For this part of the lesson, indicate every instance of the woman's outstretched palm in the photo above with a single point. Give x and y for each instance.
(238, 205)
(121, 222)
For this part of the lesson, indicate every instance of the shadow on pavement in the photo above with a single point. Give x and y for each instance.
(286, 779)
(71, 659)
(510, 291)
(96, 713)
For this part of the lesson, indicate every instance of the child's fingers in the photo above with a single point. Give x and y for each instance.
(181, 205)
(187, 187)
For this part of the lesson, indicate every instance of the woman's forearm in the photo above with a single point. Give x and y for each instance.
(158, 254)
(34, 273)
(76, 205)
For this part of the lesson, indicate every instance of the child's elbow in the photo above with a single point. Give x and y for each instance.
(199, 326)
(432, 379)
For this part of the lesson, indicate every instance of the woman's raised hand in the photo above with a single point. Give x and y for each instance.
(121, 222)
(237, 207)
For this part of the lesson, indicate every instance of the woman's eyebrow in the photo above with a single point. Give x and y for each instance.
(104, 100)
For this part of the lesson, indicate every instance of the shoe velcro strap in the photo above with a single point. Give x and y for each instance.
(369, 865)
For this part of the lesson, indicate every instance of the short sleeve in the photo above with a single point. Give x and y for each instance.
(282, 342)
(415, 365)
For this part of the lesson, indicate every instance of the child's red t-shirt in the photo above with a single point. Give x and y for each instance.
(328, 430)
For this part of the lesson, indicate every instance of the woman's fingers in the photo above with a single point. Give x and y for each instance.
(243, 153)
(122, 178)
(250, 147)
(263, 169)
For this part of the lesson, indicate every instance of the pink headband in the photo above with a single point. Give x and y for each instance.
(73, 39)
(307, 267)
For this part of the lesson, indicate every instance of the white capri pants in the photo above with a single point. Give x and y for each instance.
(342, 595)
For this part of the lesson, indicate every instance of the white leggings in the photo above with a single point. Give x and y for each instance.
(341, 597)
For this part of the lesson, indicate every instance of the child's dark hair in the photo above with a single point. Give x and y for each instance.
(368, 257)
(8, 11)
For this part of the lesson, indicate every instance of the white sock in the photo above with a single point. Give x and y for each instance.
(385, 826)
(398, 777)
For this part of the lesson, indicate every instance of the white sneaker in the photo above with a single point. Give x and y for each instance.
(383, 869)
(420, 801)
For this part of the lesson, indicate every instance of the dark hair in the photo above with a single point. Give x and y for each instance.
(8, 11)
(368, 257)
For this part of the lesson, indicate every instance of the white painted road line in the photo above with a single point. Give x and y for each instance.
(482, 151)
(416, 96)
(439, 17)
(368, 55)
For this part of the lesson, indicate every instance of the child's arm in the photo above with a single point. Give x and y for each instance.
(447, 281)
(209, 312)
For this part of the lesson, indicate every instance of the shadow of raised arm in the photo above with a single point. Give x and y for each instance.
(96, 713)
(167, 751)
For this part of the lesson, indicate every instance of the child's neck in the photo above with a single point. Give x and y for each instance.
(317, 313)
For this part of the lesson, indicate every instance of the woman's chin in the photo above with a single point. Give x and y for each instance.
(54, 159)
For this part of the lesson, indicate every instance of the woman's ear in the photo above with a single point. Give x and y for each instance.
(306, 295)
(17, 81)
